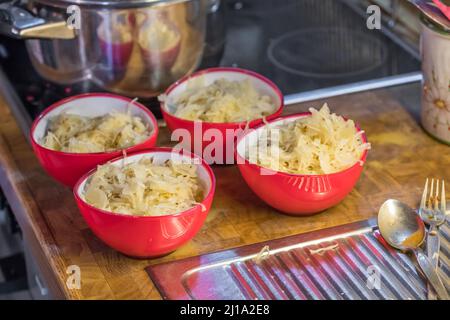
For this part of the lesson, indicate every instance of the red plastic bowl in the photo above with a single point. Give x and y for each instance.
(150, 236)
(68, 167)
(296, 194)
(196, 130)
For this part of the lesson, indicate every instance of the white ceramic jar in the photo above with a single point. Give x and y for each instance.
(435, 48)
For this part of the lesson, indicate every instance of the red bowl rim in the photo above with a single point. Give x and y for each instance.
(208, 196)
(287, 174)
(89, 95)
(249, 73)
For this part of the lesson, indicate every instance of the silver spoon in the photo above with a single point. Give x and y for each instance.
(432, 13)
(403, 229)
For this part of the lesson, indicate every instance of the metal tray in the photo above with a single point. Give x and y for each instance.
(345, 262)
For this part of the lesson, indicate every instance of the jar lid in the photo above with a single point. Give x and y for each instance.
(432, 17)
(442, 27)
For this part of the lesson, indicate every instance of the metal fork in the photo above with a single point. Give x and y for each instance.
(433, 215)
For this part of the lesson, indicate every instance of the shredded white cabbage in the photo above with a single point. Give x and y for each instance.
(78, 134)
(322, 143)
(144, 188)
(222, 101)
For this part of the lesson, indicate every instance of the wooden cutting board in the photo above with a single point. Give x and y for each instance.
(402, 156)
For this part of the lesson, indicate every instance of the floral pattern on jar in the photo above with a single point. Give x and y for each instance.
(435, 112)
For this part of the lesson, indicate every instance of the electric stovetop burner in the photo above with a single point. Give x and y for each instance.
(344, 53)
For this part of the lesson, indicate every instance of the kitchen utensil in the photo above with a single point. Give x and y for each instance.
(345, 262)
(149, 236)
(295, 194)
(68, 167)
(136, 48)
(403, 229)
(432, 13)
(198, 141)
(434, 216)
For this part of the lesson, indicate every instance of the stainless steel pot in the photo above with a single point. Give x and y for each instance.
(134, 47)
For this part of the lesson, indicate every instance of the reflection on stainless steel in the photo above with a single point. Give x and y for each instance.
(147, 49)
(292, 99)
(136, 50)
(400, 226)
(336, 263)
(403, 229)
(432, 210)
(19, 23)
(57, 60)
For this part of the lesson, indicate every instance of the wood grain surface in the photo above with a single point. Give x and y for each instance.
(402, 156)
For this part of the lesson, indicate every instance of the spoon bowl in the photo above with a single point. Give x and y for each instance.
(400, 226)
(403, 229)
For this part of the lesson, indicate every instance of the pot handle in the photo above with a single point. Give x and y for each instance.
(19, 23)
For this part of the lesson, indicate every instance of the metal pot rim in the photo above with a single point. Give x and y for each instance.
(111, 3)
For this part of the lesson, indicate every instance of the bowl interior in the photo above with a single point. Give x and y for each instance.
(252, 137)
(92, 106)
(159, 157)
(208, 77)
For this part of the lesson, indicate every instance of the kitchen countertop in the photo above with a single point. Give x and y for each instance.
(58, 237)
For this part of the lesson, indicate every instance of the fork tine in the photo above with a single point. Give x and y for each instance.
(430, 196)
(423, 202)
(443, 200)
(436, 196)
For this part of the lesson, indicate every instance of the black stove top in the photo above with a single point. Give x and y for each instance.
(306, 45)
(301, 45)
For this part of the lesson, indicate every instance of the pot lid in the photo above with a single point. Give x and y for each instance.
(114, 3)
